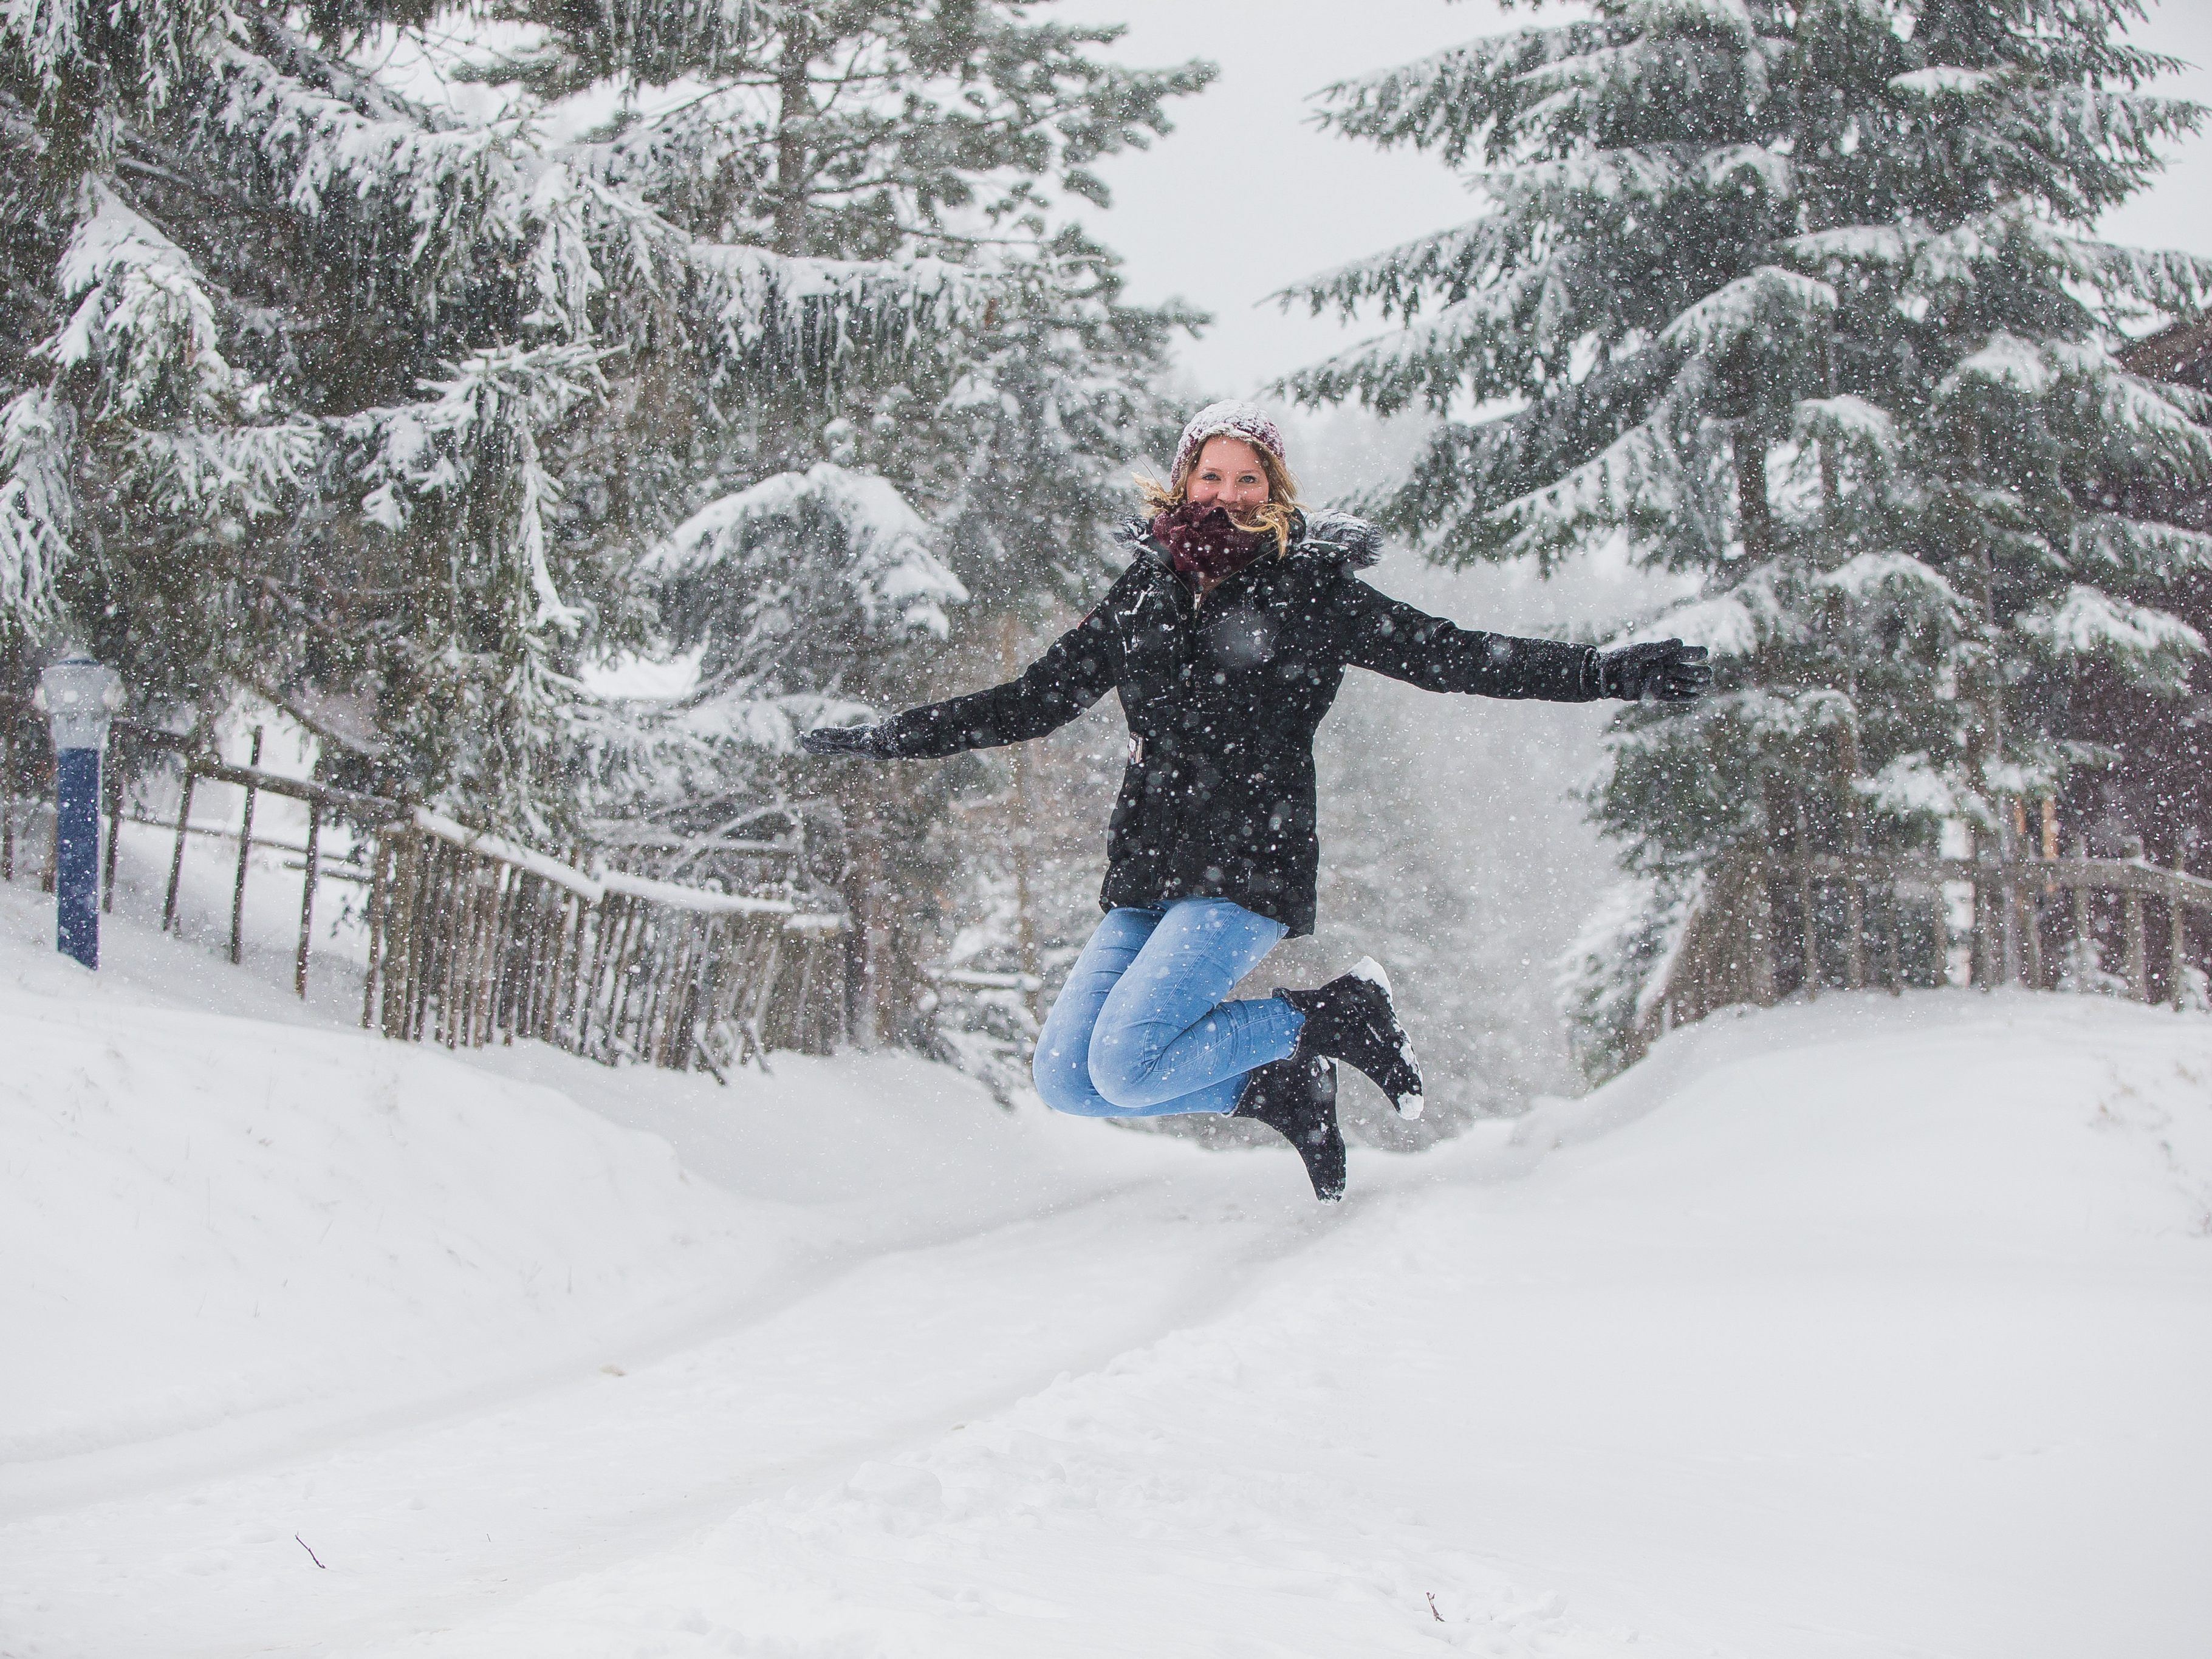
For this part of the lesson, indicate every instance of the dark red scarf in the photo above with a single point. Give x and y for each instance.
(1205, 544)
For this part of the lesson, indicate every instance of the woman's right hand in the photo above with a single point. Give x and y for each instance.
(846, 740)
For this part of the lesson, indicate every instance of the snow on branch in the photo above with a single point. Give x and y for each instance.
(145, 49)
(2005, 360)
(814, 312)
(38, 504)
(1433, 359)
(890, 570)
(1605, 981)
(1849, 422)
(1852, 244)
(141, 318)
(2138, 548)
(1741, 167)
(1638, 468)
(1914, 789)
(1759, 305)
(1942, 81)
(1450, 99)
(1397, 278)
(485, 418)
(246, 470)
(1896, 577)
(2154, 648)
(448, 192)
(1648, 175)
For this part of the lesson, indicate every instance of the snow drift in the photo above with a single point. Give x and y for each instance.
(1864, 1327)
(210, 1216)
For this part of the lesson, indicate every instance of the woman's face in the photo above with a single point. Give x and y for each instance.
(1228, 475)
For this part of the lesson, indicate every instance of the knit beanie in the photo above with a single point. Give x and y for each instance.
(1232, 417)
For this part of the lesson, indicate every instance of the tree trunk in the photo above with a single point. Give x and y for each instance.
(794, 107)
(1753, 509)
(1855, 972)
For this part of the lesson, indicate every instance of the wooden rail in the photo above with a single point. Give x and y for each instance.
(2032, 917)
(320, 798)
(474, 939)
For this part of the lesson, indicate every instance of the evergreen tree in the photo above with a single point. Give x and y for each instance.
(1800, 300)
(341, 394)
(927, 129)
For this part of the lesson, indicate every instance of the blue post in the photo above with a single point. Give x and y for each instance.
(77, 854)
(79, 698)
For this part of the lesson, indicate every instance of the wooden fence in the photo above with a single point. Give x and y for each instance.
(474, 939)
(319, 798)
(1764, 928)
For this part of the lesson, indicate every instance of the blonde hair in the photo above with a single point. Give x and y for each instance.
(1272, 517)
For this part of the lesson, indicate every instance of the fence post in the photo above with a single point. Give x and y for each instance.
(308, 896)
(1988, 932)
(244, 846)
(1894, 940)
(376, 902)
(112, 779)
(2177, 930)
(177, 857)
(2138, 950)
(2077, 902)
(2014, 966)
(398, 991)
(1810, 943)
(1759, 912)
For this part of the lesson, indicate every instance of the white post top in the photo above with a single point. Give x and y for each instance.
(78, 697)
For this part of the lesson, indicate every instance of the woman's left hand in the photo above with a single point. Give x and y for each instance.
(1667, 670)
(871, 740)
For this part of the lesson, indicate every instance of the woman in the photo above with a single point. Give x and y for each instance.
(1227, 638)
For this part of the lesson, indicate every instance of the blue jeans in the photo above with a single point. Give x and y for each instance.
(1140, 1029)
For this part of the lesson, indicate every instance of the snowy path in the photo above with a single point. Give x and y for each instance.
(1866, 1329)
(424, 1523)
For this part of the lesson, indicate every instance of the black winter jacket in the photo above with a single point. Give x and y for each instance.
(1223, 699)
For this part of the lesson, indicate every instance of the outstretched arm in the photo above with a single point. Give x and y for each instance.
(1075, 672)
(1387, 637)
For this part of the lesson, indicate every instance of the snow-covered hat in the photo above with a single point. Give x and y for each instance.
(1232, 417)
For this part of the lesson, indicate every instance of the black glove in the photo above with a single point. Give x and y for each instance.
(1668, 670)
(874, 740)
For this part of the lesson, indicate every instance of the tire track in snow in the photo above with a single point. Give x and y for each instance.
(610, 1469)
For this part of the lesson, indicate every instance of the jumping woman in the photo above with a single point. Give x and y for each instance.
(1227, 638)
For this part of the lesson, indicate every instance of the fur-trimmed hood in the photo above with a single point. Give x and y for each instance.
(1336, 537)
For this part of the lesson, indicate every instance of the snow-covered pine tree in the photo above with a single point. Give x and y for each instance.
(923, 128)
(1799, 300)
(323, 385)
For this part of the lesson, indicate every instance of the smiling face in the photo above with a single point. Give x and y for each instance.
(1228, 474)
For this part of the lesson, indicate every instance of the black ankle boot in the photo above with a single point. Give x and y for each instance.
(1351, 1018)
(1296, 1098)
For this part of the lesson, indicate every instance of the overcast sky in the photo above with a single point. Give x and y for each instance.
(1246, 197)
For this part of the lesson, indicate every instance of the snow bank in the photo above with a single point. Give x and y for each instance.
(206, 1216)
(1865, 1328)
(224, 1231)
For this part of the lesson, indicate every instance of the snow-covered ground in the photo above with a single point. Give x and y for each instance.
(1871, 1328)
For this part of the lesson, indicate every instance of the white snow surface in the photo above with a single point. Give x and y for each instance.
(1873, 1327)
